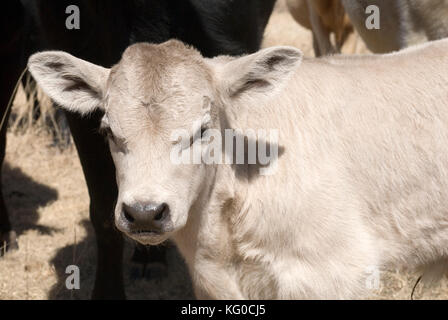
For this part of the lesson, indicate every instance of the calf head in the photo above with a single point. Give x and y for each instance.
(154, 91)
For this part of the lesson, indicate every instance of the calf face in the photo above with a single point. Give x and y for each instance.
(152, 93)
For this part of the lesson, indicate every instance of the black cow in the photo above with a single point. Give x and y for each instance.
(107, 28)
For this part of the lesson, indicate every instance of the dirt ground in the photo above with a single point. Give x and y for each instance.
(47, 198)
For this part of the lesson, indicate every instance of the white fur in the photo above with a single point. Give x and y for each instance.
(51, 79)
(362, 179)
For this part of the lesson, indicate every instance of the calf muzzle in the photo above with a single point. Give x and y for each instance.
(146, 217)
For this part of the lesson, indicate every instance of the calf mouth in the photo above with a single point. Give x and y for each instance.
(147, 237)
(143, 233)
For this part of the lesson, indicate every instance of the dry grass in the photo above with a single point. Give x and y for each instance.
(48, 202)
(26, 116)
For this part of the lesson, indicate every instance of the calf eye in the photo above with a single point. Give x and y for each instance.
(197, 136)
(203, 131)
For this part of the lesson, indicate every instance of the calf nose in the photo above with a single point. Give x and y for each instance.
(146, 216)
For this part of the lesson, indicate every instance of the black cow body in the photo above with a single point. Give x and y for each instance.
(214, 27)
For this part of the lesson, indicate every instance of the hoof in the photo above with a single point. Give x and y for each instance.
(8, 242)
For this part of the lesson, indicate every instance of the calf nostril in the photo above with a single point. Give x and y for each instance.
(161, 209)
(128, 216)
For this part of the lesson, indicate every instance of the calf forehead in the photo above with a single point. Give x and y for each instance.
(147, 70)
(154, 85)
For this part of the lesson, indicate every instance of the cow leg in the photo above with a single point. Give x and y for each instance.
(99, 173)
(8, 240)
(321, 35)
(316, 47)
(11, 25)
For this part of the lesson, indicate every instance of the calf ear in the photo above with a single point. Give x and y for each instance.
(260, 73)
(75, 84)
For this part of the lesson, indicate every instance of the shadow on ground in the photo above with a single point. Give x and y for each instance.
(24, 197)
(174, 283)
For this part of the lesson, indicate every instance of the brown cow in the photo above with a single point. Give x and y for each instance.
(323, 17)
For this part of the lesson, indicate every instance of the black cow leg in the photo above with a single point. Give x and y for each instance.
(99, 172)
(10, 73)
(8, 240)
